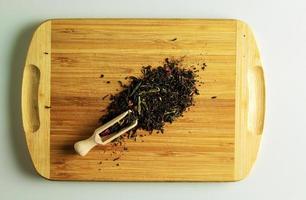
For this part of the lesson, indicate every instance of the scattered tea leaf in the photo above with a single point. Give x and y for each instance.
(105, 96)
(116, 159)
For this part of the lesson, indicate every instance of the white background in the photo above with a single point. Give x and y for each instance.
(280, 29)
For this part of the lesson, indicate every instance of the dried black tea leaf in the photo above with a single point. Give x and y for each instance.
(159, 96)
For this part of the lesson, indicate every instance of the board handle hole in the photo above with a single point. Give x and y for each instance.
(256, 100)
(30, 98)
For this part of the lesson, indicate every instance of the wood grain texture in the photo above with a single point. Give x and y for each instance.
(36, 98)
(250, 109)
(201, 146)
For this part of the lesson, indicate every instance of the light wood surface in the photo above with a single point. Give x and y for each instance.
(217, 140)
(250, 101)
(36, 98)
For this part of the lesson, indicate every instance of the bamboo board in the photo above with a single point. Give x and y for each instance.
(217, 140)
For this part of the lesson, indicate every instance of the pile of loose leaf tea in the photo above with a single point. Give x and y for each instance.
(160, 95)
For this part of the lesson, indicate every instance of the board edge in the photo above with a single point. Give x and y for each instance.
(38, 66)
(246, 144)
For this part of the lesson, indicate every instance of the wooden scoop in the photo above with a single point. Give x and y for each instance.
(84, 146)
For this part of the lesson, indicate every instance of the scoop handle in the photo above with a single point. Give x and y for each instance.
(84, 146)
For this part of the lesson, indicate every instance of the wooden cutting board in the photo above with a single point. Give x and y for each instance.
(217, 140)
